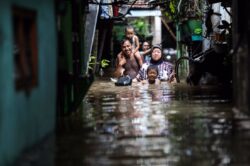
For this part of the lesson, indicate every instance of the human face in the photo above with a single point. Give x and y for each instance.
(152, 75)
(156, 54)
(127, 48)
(129, 33)
(145, 46)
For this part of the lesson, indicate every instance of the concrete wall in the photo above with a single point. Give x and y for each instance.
(25, 120)
(241, 58)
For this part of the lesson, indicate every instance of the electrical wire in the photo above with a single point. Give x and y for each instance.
(121, 16)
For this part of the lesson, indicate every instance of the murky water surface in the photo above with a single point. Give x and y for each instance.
(172, 125)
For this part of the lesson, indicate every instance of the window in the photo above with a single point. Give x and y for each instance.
(25, 48)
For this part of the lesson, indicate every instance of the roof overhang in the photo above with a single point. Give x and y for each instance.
(143, 13)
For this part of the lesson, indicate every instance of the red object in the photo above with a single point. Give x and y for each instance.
(115, 10)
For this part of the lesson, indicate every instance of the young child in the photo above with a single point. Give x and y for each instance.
(134, 40)
(130, 34)
(152, 74)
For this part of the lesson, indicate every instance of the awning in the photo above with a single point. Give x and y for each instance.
(143, 13)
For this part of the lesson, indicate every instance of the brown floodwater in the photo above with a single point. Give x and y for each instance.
(167, 124)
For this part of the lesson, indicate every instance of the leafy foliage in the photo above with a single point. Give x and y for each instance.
(118, 32)
(104, 63)
(178, 10)
(92, 62)
(141, 28)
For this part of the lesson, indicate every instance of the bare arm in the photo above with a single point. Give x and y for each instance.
(139, 58)
(120, 62)
(146, 52)
(136, 43)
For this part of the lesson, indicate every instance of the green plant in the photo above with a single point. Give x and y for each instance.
(118, 32)
(92, 62)
(178, 10)
(141, 28)
(104, 63)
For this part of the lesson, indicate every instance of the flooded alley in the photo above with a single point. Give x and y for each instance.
(170, 124)
(59, 105)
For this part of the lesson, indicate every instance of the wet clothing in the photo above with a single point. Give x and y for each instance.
(165, 70)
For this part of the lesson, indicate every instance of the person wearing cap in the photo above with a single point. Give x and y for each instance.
(166, 69)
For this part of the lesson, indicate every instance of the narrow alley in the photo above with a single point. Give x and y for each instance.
(124, 82)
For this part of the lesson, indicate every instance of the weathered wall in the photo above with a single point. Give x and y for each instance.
(25, 120)
(241, 59)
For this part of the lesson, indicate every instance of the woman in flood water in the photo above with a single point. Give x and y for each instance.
(165, 69)
(127, 63)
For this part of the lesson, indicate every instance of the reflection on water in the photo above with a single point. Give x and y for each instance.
(173, 125)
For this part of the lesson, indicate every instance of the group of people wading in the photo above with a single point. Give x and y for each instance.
(147, 67)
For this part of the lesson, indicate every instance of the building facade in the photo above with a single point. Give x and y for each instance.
(28, 74)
